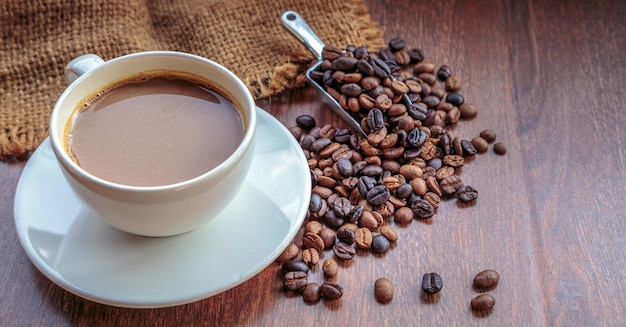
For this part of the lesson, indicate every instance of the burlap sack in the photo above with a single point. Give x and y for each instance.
(40, 36)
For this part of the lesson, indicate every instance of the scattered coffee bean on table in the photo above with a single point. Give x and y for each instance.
(432, 283)
(486, 280)
(409, 163)
(482, 302)
(383, 290)
(499, 148)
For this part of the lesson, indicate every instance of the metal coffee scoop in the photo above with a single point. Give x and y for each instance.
(298, 26)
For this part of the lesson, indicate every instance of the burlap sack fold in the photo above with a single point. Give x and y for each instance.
(39, 37)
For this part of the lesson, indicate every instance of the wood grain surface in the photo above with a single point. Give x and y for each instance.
(549, 78)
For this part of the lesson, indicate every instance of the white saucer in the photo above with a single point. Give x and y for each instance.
(71, 246)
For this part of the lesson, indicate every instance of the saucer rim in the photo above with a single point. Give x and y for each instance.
(52, 273)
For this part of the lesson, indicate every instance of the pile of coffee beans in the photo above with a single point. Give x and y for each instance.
(408, 162)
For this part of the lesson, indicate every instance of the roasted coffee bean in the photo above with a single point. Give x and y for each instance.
(330, 267)
(416, 137)
(466, 193)
(424, 67)
(345, 168)
(483, 302)
(346, 236)
(404, 190)
(305, 122)
(351, 89)
(456, 146)
(310, 257)
(499, 148)
(341, 206)
(403, 215)
(313, 226)
(453, 84)
(453, 160)
(311, 293)
(444, 72)
(419, 186)
(289, 253)
(468, 110)
(372, 170)
(369, 221)
(468, 148)
(294, 265)
(344, 63)
(436, 163)
(486, 280)
(329, 236)
(331, 291)
(450, 185)
(456, 99)
(344, 251)
(375, 120)
(355, 213)
(422, 209)
(378, 195)
(444, 172)
(380, 244)
(433, 186)
(363, 238)
(480, 144)
(332, 220)
(417, 111)
(381, 69)
(431, 101)
(312, 240)
(365, 67)
(383, 290)
(295, 280)
(360, 52)
(416, 55)
(488, 135)
(396, 44)
(320, 144)
(432, 283)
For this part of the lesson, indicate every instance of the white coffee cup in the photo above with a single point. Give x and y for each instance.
(153, 210)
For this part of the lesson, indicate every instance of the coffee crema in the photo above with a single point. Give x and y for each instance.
(154, 129)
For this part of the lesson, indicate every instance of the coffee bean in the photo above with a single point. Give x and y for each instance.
(486, 280)
(480, 144)
(329, 237)
(499, 148)
(344, 251)
(312, 240)
(455, 99)
(453, 84)
(403, 215)
(363, 238)
(305, 122)
(444, 72)
(311, 293)
(416, 55)
(331, 291)
(383, 290)
(432, 283)
(341, 206)
(310, 257)
(289, 253)
(378, 195)
(450, 185)
(344, 63)
(466, 193)
(313, 226)
(346, 236)
(295, 280)
(422, 209)
(330, 267)
(483, 302)
(380, 244)
(332, 220)
(468, 110)
(375, 119)
(294, 265)
(468, 148)
(488, 135)
(396, 44)
(381, 69)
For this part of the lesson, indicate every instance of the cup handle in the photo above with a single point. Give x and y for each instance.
(80, 65)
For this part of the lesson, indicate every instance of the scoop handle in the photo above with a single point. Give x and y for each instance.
(303, 32)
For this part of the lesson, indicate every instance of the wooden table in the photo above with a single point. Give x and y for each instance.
(549, 78)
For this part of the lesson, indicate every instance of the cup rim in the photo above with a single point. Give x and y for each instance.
(56, 138)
